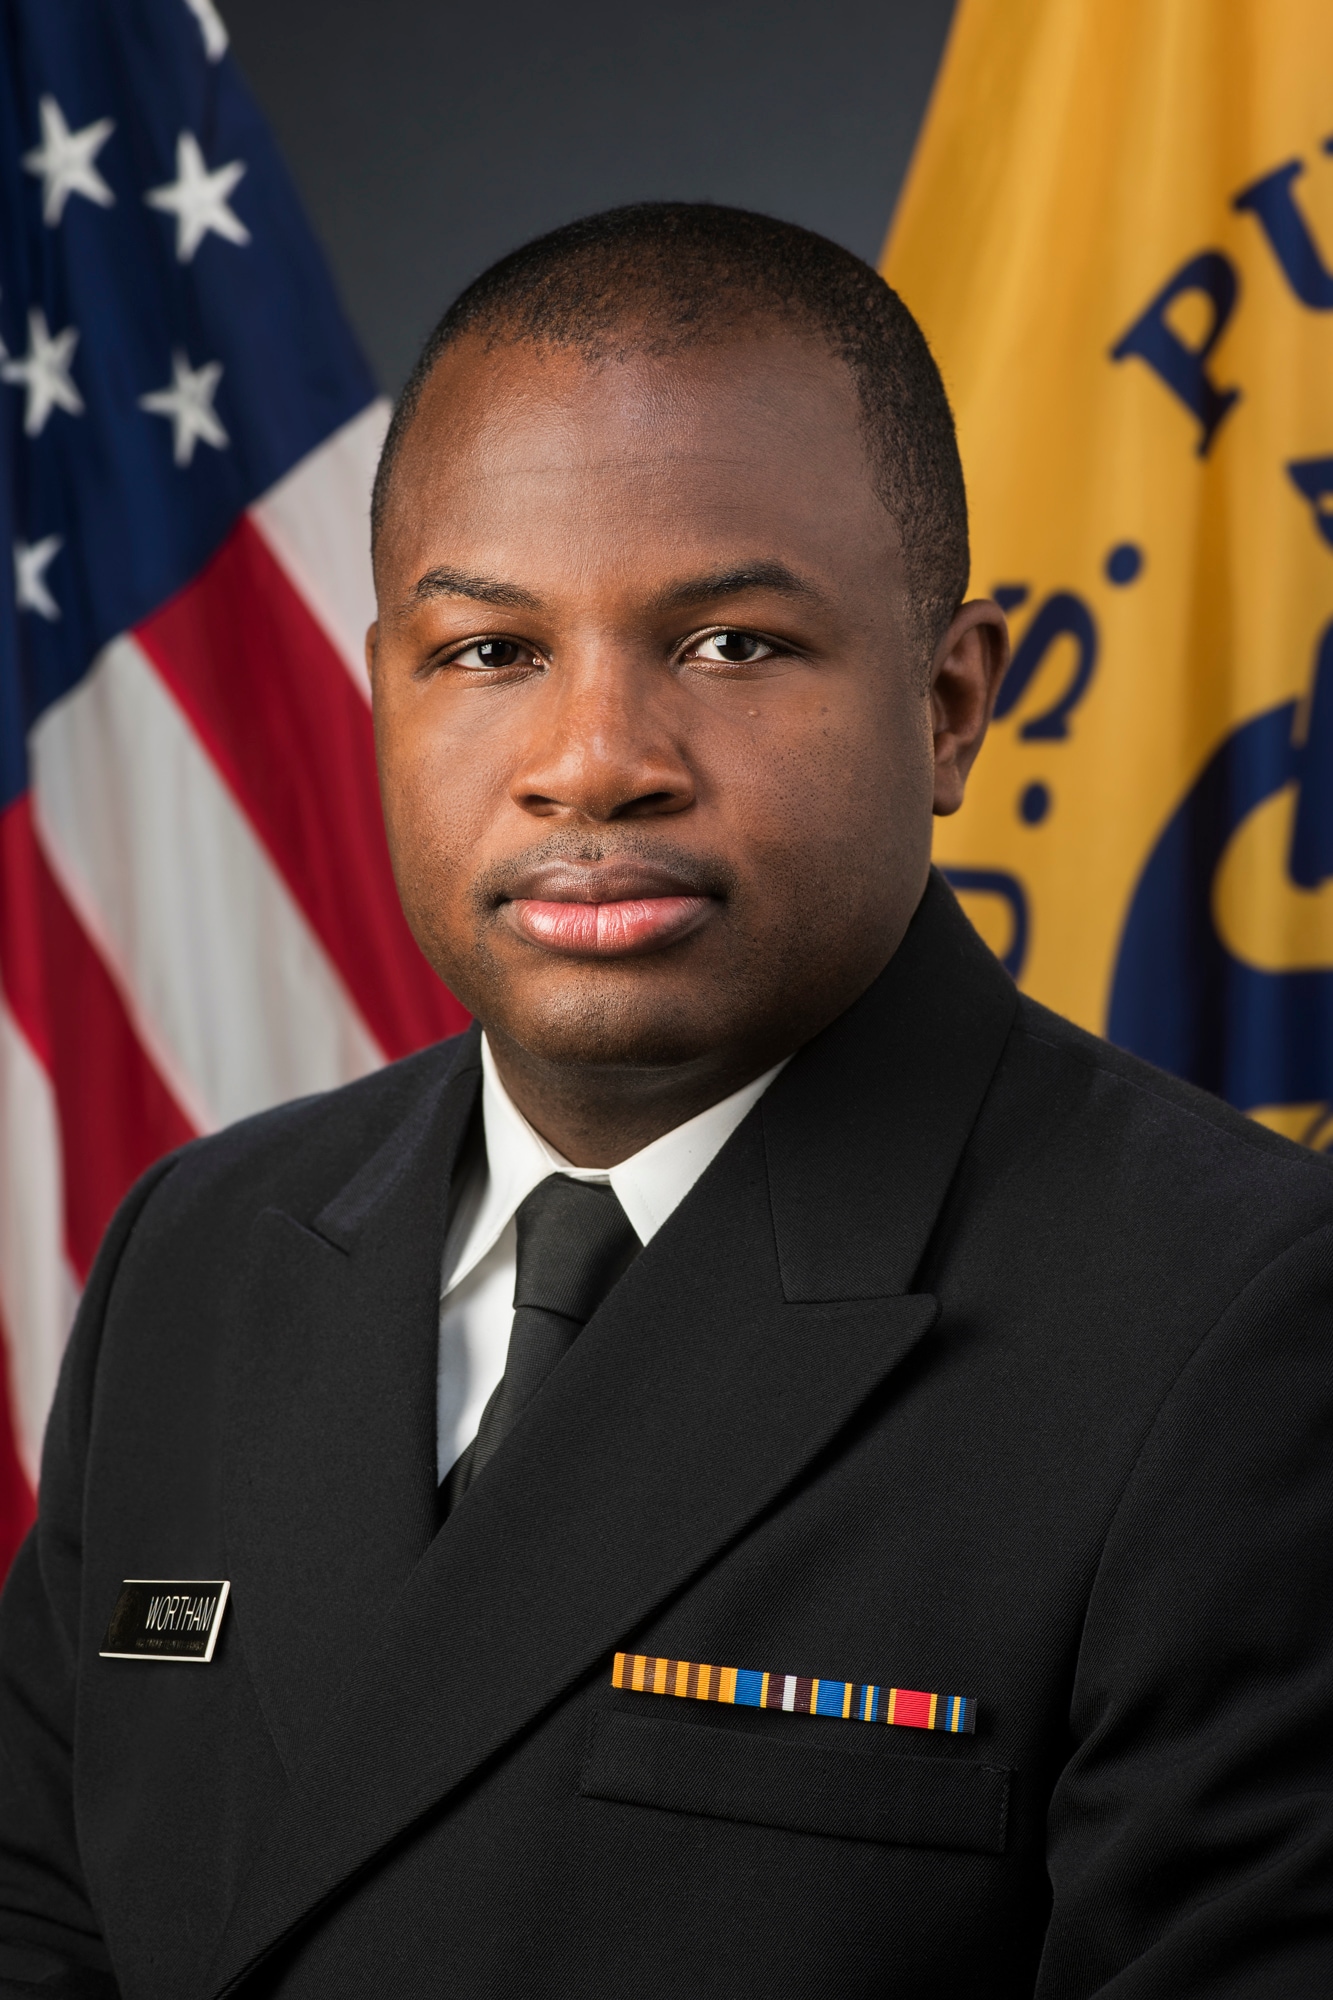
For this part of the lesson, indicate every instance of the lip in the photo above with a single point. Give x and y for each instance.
(610, 909)
(609, 930)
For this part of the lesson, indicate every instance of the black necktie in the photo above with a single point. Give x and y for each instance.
(574, 1241)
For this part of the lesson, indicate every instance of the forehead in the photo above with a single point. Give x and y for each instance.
(536, 453)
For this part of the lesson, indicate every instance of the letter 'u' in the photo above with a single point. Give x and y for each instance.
(1273, 203)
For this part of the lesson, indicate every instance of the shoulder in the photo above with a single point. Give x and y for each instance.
(1129, 1141)
(1153, 1097)
(1107, 1225)
(297, 1155)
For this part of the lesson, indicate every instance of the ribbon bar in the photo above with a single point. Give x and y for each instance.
(842, 1701)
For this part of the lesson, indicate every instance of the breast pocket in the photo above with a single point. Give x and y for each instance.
(773, 1779)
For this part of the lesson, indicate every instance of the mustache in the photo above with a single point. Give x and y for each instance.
(679, 871)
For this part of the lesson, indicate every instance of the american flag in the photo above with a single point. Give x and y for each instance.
(197, 916)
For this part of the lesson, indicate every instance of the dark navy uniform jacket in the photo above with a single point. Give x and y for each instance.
(983, 1360)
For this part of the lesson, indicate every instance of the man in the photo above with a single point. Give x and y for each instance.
(779, 1467)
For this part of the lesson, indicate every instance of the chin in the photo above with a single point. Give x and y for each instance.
(592, 1027)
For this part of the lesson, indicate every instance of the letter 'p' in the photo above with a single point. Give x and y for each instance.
(1184, 369)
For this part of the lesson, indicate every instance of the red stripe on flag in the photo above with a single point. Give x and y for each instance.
(278, 713)
(22, 963)
(116, 1114)
(17, 1502)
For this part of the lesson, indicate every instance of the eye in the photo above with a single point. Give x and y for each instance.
(732, 648)
(492, 653)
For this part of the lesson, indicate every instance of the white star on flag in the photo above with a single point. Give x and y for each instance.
(64, 162)
(212, 26)
(198, 199)
(44, 371)
(188, 401)
(30, 567)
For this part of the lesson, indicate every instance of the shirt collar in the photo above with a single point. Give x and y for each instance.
(649, 1185)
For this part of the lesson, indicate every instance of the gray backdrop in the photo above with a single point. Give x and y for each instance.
(429, 136)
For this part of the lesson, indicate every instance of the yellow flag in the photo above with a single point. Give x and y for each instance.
(1118, 235)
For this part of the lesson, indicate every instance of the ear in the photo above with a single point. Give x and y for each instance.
(965, 678)
(371, 633)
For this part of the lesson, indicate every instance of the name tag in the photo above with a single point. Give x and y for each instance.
(165, 1620)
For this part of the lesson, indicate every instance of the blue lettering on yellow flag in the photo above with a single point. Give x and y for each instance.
(1118, 235)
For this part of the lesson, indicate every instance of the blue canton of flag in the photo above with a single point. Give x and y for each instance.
(197, 915)
(172, 341)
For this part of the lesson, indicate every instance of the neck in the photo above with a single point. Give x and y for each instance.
(598, 1115)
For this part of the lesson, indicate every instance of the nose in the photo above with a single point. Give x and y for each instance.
(600, 746)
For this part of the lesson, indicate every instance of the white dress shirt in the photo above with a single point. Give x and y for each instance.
(480, 1252)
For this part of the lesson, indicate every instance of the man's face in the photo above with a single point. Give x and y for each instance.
(657, 752)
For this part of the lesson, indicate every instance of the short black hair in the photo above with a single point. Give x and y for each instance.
(660, 276)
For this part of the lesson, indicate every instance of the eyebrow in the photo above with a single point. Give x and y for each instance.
(444, 581)
(732, 582)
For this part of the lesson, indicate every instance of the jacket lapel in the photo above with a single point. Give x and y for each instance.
(866, 1126)
(330, 1483)
(750, 1331)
